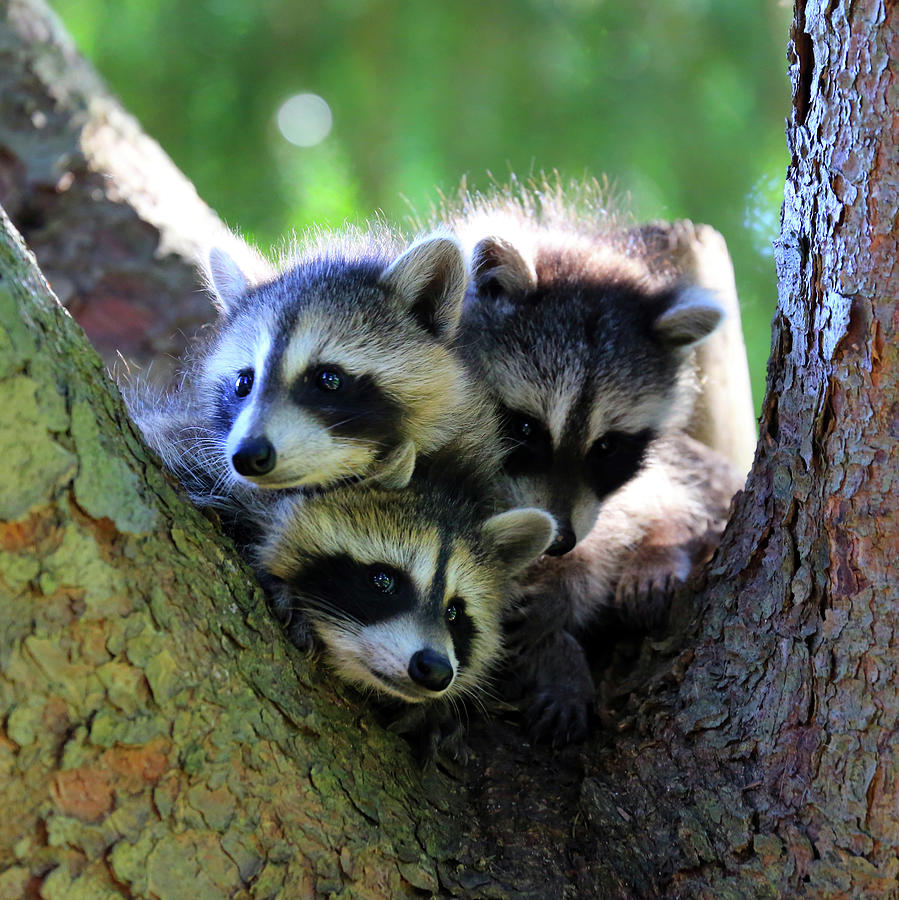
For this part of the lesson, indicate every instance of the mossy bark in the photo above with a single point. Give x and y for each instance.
(159, 736)
(161, 739)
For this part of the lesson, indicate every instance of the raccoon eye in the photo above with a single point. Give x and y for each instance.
(382, 581)
(530, 444)
(607, 444)
(329, 379)
(615, 458)
(454, 611)
(523, 428)
(244, 383)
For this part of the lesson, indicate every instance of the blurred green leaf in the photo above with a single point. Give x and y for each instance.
(681, 104)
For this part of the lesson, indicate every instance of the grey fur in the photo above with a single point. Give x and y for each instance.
(586, 340)
(382, 314)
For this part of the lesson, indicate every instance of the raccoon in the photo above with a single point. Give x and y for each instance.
(316, 374)
(649, 535)
(403, 582)
(588, 350)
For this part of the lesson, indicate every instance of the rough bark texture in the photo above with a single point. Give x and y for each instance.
(160, 739)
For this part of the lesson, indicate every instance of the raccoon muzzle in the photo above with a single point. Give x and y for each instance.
(254, 456)
(563, 541)
(431, 670)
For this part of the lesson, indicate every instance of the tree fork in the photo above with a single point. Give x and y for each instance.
(160, 737)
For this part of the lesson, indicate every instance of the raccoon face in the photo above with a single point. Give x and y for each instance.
(404, 590)
(568, 465)
(569, 472)
(589, 368)
(318, 374)
(385, 629)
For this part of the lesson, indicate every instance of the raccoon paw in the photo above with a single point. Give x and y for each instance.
(433, 734)
(300, 632)
(448, 741)
(644, 589)
(643, 602)
(293, 620)
(558, 716)
(692, 247)
(561, 705)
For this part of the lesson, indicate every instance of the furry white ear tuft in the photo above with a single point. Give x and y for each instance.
(227, 280)
(694, 315)
(520, 535)
(397, 469)
(498, 267)
(429, 279)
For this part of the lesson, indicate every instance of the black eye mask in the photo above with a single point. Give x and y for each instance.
(614, 458)
(349, 405)
(529, 445)
(339, 586)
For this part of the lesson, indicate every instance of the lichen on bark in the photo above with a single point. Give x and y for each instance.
(160, 736)
(158, 732)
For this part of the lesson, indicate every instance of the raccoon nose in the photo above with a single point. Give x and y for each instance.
(565, 541)
(430, 669)
(254, 456)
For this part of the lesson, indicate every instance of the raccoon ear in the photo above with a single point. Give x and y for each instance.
(429, 280)
(498, 267)
(694, 315)
(397, 469)
(227, 280)
(520, 535)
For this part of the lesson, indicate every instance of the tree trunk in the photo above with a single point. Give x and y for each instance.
(160, 738)
(115, 226)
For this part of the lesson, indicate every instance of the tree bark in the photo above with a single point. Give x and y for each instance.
(115, 226)
(161, 739)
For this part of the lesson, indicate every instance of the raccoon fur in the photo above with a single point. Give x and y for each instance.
(587, 344)
(316, 373)
(403, 582)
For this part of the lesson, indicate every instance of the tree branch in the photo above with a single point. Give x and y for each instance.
(114, 224)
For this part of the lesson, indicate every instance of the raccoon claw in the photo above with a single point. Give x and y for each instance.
(642, 602)
(300, 632)
(558, 718)
(292, 619)
(432, 735)
(560, 707)
(450, 742)
(644, 589)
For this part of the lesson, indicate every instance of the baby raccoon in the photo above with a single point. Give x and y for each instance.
(648, 537)
(403, 583)
(588, 349)
(315, 374)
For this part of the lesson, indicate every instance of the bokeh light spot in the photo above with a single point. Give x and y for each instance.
(305, 120)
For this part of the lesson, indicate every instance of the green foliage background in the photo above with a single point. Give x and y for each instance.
(680, 103)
